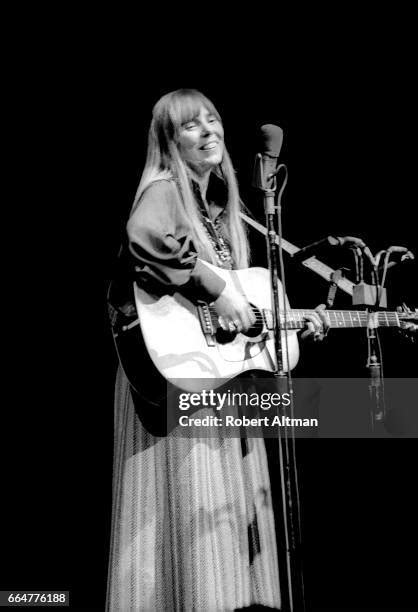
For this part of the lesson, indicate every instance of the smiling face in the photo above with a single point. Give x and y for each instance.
(200, 141)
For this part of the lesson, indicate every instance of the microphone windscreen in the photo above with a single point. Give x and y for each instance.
(271, 139)
(397, 249)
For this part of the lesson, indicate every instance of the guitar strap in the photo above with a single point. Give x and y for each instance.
(287, 246)
(311, 262)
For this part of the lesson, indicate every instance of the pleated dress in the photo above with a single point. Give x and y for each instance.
(192, 518)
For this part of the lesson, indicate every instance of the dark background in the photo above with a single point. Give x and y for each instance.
(350, 138)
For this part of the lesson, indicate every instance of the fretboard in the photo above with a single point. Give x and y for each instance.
(296, 319)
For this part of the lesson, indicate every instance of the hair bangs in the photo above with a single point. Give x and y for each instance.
(186, 104)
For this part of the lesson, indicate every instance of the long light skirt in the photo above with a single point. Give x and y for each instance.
(192, 524)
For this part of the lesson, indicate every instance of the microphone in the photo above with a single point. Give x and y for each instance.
(351, 241)
(408, 256)
(357, 243)
(311, 249)
(271, 140)
(397, 249)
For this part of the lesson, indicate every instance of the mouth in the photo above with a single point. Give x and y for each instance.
(208, 146)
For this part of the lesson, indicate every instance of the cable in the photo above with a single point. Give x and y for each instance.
(357, 264)
(385, 267)
(289, 375)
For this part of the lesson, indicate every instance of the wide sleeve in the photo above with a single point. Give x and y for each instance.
(162, 248)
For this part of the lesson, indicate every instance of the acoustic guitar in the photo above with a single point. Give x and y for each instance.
(190, 350)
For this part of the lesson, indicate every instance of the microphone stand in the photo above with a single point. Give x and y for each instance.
(289, 523)
(374, 360)
(374, 364)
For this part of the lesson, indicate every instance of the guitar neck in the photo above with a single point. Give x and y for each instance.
(296, 319)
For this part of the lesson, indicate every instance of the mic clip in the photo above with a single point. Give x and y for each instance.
(260, 180)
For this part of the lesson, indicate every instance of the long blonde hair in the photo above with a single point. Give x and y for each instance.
(164, 162)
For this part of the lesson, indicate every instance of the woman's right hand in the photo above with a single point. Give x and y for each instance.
(234, 310)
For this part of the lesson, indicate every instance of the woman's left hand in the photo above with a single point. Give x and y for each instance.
(317, 325)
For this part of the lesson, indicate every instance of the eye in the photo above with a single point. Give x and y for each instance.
(189, 125)
(212, 119)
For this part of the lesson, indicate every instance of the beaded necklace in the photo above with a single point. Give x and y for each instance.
(215, 234)
(222, 250)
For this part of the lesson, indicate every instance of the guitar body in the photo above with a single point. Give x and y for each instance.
(186, 353)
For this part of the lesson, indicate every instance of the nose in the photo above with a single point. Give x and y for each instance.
(207, 127)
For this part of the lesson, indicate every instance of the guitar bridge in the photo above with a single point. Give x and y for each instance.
(206, 323)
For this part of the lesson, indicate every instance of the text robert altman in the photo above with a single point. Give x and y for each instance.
(231, 421)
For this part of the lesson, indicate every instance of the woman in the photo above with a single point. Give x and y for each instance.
(193, 525)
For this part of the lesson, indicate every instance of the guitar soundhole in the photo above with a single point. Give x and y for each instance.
(223, 336)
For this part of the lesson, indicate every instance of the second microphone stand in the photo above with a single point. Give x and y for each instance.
(372, 297)
(272, 215)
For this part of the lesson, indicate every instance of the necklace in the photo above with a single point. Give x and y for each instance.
(222, 250)
(214, 231)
